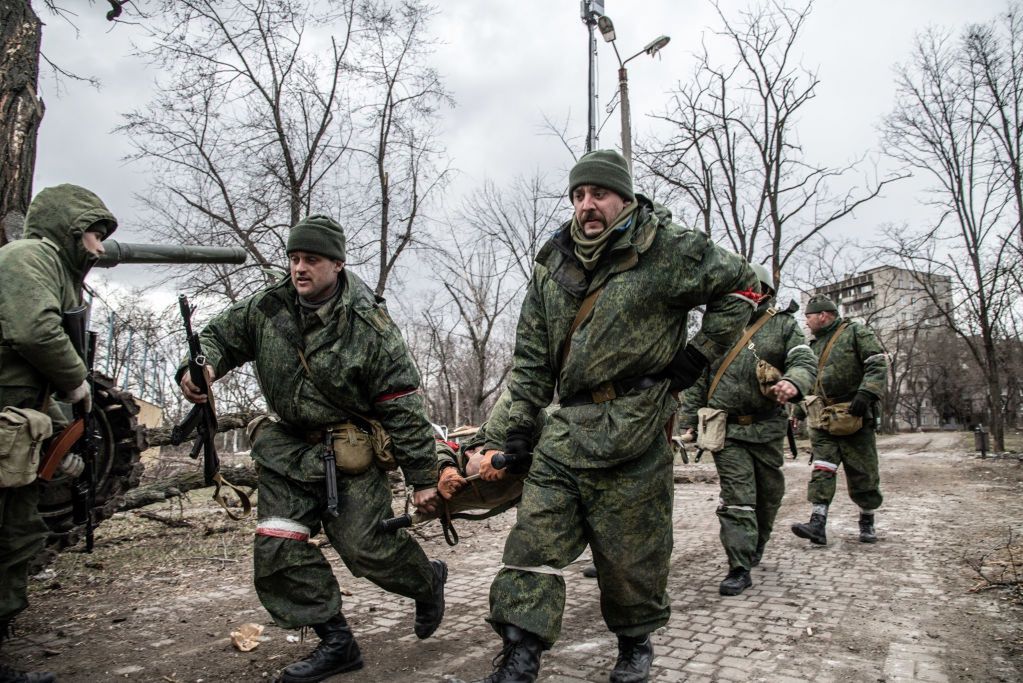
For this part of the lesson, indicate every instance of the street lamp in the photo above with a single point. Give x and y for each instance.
(607, 29)
(590, 12)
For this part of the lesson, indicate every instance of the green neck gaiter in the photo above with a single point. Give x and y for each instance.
(588, 250)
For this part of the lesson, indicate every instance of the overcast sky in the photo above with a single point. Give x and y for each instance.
(507, 64)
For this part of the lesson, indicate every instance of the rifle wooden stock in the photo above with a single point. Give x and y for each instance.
(58, 448)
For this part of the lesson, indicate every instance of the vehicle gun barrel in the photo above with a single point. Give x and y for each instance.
(116, 253)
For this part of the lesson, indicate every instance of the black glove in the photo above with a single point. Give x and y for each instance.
(518, 447)
(860, 404)
(685, 368)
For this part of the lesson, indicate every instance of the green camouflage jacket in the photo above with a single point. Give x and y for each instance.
(653, 274)
(352, 348)
(857, 362)
(781, 343)
(41, 277)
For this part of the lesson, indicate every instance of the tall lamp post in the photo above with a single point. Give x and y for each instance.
(591, 11)
(607, 29)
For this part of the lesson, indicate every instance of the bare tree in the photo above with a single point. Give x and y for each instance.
(733, 161)
(21, 109)
(942, 126)
(518, 219)
(248, 132)
(995, 55)
(406, 162)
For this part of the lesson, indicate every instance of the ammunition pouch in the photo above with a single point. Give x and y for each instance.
(838, 421)
(358, 444)
(813, 405)
(833, 418)
(712, 426)
(22, 432)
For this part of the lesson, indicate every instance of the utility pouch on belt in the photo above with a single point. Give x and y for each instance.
(836, 420)
(356, 449)
(767, 377)
(711, 428)
(813, 405)
(22, 431)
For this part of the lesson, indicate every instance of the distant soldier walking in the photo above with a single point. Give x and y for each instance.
(330, 361)
(41, 277)
(770, 366)
(841, 416)
(603, 323)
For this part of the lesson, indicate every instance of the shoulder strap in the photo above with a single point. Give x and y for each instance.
(584, 310)
(818, 389)
(739, 346)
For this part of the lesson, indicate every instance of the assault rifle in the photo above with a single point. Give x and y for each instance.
(202, 418)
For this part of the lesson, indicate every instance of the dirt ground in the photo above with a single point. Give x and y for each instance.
(156, 602)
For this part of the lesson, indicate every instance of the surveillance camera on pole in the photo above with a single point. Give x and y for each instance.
(590, 11)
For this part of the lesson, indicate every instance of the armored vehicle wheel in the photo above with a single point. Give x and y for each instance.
(118, 469)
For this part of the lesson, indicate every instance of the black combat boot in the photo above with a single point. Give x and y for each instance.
(519, 661)
(634, 658)
(737, 581)
(429, 614)
(867, 534)
(757, 556)
(9, 675)
(590, 571)
(337, 652)
(814, 529)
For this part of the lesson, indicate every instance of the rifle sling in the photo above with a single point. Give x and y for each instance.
(818, 387)
(584, 310)
(737, 349)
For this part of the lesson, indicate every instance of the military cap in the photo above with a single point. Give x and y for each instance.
(820, 303)
(318, 234)
(604, 168)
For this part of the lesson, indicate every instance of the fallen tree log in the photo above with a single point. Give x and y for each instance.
(174, 485)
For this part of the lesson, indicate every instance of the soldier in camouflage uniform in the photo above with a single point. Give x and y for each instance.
(750, 465)
(41, 276)
(325, 352)
(854, 371)
(601, 472)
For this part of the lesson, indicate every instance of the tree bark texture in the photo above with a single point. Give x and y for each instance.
(21, 110)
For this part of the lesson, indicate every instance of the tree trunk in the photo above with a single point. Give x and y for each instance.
(243, 476)
(21, 111)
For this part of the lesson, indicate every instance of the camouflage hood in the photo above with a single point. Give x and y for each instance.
(62, 214)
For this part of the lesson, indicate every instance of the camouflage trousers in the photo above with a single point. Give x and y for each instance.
(294, 581)
(22, 535)
(752, 486)
(857, 454)
(22, 529)
(622, 512)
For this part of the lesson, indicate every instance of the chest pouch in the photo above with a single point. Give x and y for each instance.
(22, 431)
(837, 421)
(712, 423)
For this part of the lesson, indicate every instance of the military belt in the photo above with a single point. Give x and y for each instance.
(608, 391)
(316, 436)
(747, 420)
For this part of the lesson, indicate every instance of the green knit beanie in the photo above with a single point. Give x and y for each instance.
(819, 304)
(604, 168)
(318, 234)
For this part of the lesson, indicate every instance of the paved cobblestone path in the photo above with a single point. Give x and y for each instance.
(899, 610)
